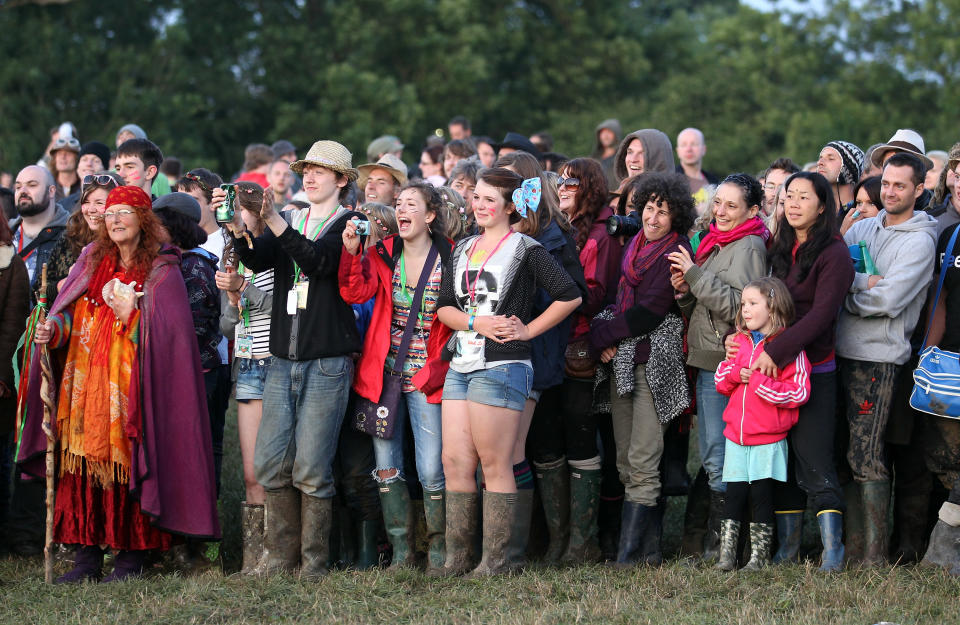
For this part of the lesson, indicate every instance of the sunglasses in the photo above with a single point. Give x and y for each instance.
(102, 180)
(71, 143)
(568, 182)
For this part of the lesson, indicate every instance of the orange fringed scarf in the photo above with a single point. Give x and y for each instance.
(95, 403)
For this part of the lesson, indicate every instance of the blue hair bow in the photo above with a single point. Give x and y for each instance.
(527, 196)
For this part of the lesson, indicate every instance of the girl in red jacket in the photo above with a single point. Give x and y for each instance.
(390, 271)
(758, 416)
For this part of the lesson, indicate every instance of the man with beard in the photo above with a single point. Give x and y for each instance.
(41, 221)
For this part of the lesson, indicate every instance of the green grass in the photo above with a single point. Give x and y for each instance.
(673, 595)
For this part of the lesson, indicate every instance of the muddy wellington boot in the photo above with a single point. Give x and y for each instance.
(498, 513)
(853, 524)
(789, 532)
(87, 566)
(398, 519)
(729, 541)
(281, 532)
(553, 480)
(761, 540)
(251, 527)
(316, 523)
(711, 548)
(434, 512)
(584, 546)
(462, 523)
(943, 549)
(876, 507)
(520, 530)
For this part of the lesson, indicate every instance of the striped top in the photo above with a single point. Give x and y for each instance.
(417, 354)
(259, 319)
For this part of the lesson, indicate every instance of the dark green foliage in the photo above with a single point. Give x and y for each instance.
(204, 78)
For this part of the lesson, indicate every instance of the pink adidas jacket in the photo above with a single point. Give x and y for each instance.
(764, 410)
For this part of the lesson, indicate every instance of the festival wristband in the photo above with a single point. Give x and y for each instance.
(470, 322)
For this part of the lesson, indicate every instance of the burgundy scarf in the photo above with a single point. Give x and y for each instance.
(716, 238)
(638, 259)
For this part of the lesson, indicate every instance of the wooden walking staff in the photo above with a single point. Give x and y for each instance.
(49, 410)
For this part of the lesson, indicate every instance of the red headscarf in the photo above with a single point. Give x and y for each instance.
(134, 197)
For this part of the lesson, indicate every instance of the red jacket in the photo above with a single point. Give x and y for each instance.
(371, 275)
(765, 409)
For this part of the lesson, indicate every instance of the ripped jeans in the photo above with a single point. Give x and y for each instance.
(425, 423)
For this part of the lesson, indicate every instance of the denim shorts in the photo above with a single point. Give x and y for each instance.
(251, 372)
(503, 386)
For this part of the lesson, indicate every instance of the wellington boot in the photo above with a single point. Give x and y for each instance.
(789, 533)
(831, 535)
(634, 526)
(944, 548)
(652, 553)
(398, 519)
(609, 516)
(711, 548)
(520, 530)
(876, 507)
(553, 480)
(729, 541)
(316, 523)
(367, 555)
(583, 547)
(853, 524)
(281, 532)
(499, 510)
(695, 515)
(761, 540)
(251, 527)
(461, 519)
(434, 512)
(127, 565)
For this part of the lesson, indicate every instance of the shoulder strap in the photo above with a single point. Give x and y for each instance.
(943, 273)
(415, 310)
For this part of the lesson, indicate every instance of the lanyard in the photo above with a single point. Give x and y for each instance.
(406, 291)
(302, 229)
(20, 246)
(472, 290)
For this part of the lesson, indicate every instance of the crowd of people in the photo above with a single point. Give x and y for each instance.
(423, 354)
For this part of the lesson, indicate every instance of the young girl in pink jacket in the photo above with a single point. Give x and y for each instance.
(759, 414)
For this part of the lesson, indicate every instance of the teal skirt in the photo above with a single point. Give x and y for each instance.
(748, 463)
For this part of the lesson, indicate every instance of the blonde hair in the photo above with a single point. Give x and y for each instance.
(383, 221)
(454, 209)
(779, 304)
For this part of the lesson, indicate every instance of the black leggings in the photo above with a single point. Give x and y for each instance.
(760, 494)
(563, 424)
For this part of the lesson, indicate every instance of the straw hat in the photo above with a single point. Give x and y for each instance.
(330, 154)
(904, 140)
(387, 162)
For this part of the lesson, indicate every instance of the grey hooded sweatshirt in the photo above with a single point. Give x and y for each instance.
(657, 152)
(875, 324)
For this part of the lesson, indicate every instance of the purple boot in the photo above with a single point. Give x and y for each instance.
(127, 565)
(88, 561)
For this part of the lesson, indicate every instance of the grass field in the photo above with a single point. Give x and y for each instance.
(675, 594)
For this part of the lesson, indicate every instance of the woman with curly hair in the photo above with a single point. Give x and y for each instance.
(731, 254)
(646, 313)
(82, 227)
(134, 438)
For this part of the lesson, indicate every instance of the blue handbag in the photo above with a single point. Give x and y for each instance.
(936, 380)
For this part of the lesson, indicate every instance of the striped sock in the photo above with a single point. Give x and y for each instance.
(523, 475)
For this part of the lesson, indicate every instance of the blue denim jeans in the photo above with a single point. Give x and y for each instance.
(425, 423)
(303, 407)
(710, 407)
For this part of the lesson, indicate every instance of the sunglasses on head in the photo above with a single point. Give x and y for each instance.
(568, 182)
(102, 180)
(71, 143)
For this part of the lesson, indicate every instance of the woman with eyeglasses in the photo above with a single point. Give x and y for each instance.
(82, 228)
(133, 434)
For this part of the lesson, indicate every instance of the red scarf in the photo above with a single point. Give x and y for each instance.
(716, 238)
(639, 258)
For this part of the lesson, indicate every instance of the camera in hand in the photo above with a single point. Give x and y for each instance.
(623, 226)
(363, 227)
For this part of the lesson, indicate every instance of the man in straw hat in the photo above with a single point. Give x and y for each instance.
(381, 181)
(312, 335)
